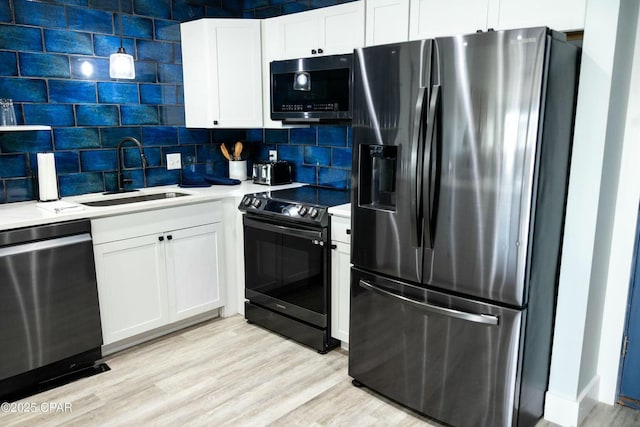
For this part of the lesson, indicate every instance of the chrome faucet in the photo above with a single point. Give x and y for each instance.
(122, 181)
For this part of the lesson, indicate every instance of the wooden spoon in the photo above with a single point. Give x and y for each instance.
(237, 150)
(225, 152)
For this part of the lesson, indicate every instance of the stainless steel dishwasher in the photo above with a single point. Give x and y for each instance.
(50, 329)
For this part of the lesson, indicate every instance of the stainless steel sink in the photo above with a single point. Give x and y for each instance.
(135, 199)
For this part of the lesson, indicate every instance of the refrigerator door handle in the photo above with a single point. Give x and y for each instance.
(486, 319)
(416, 168)
(434, 104)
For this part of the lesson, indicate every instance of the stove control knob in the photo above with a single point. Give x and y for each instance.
(247, 201)
(302, 210)
(256, 203)
(313, 212)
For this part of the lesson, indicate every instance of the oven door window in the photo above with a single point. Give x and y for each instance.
(285, 267)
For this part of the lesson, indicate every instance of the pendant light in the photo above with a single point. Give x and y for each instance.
(121, 63)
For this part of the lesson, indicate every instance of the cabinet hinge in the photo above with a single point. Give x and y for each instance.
(625, 342)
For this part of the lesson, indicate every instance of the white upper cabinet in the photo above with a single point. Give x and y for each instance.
(221, 61)
(437, 18)
(326, 31)
(387, 21)
(565, 15)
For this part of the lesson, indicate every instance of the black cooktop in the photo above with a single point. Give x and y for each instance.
(308, 204)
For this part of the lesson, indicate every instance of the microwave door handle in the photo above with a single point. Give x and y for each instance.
(486, 319)
(415, 178)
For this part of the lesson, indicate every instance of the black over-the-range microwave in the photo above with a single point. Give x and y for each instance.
(312, 89)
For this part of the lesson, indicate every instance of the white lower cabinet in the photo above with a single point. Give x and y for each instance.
(156, 268)
(340, 277)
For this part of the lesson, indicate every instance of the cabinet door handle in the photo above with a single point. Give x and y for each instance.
(348, 231)
(313, 51)
(334, 246)
(160, 238)
(215, 122)
(169, 237)
(320, 51)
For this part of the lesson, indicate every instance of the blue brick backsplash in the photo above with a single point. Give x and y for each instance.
(54, 64)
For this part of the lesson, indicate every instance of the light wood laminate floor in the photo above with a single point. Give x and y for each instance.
(228, 373)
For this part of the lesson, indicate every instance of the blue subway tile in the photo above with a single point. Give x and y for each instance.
(228, 135)
(19, 190)
(74, 138)
(118, 93)
(349, 136)
(15, 37)
(290, 153)
(254, 4)
(25, 142)
(183, 10)
(8, 64)
(155, 8)
(133, 26)
(69, 91)
(254, 135)
(260, 152)
(44, 65)
(315, 4)
(23, 90)
(153, 155)
(107, 5)
(335, 178)
(80, 183)
(169, 73)
(154, 136)
(154, 51)
(177, 54)
(86, 68)
(209, 152)
(162, 176)
(306, 174)
(193, 136)
(97, 115)
(146, 72)
(341, 157)
(172, 115)
(5, 16)
(303, 135)
(67, 162)
(98, 160)
(13, 165)
(276, 136)
(106, 45)
(131, 156)
(64, 41)
(170, 94)
(90, 20)
(84, 3)
(150, 94)
(267, 12)
(167, 30)
(219, 12)
(319, 156)
(139, 115)
(48, 114)
(179, 94)
(39, 14)
(332, 135)
(110, 137)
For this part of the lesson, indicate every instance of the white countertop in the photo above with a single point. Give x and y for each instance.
(26, 214)
(341, 210)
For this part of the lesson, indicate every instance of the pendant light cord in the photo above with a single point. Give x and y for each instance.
(120, 15)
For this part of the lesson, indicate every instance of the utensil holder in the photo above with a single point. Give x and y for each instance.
(238, 170)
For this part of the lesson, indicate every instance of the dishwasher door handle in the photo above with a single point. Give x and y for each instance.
(486, 319)
(44, 244)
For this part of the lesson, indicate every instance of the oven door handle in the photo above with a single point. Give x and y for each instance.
(281, 229)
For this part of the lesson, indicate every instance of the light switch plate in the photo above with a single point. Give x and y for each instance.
(174, 161)
(273, 155)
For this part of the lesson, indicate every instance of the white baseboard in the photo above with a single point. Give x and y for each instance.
(570, 412)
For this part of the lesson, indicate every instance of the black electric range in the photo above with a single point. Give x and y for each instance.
(287, 257)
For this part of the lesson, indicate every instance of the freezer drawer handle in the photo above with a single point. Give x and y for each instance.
(486, 319)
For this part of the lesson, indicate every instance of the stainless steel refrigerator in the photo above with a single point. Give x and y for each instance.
(460, 170)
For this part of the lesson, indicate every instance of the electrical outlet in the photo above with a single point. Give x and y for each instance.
(174, 161)
(273, 155)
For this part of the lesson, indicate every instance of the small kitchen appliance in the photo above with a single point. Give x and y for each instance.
(272, 173)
